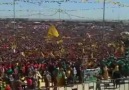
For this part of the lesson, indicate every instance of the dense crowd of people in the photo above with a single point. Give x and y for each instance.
(26, 54)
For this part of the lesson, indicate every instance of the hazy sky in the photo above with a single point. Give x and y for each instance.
(90, 9)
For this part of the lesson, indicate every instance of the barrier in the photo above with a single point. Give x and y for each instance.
(91, 85)
(111, 84)
(123, 84)
(90, 73)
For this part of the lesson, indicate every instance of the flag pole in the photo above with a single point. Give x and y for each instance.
(59, 10)
(14, 15)
(104, 4)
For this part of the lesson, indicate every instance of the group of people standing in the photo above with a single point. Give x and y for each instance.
(26, 55)
(34, 73)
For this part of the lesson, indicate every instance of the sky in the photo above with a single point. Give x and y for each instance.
(89, 10)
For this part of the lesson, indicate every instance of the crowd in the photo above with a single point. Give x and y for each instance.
(27, 55)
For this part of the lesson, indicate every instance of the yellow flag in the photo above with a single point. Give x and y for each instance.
(83, 50)
(60, 41)
(23, 54)
(92, 55)
(62, 50)
(52, 55)
(42, 54)
(52, 32)
(122, 49)
(14, 46)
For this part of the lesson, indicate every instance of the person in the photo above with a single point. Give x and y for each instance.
(11, 79)
(36, 79)
(54, 78)
(20, 87)
(116, 76)
(98, 83)
(61, 78)
(105, 74)
(8, 87)
(1, 86)
(47, 79)
(29, 83)
(74, 75)
(69, 75)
